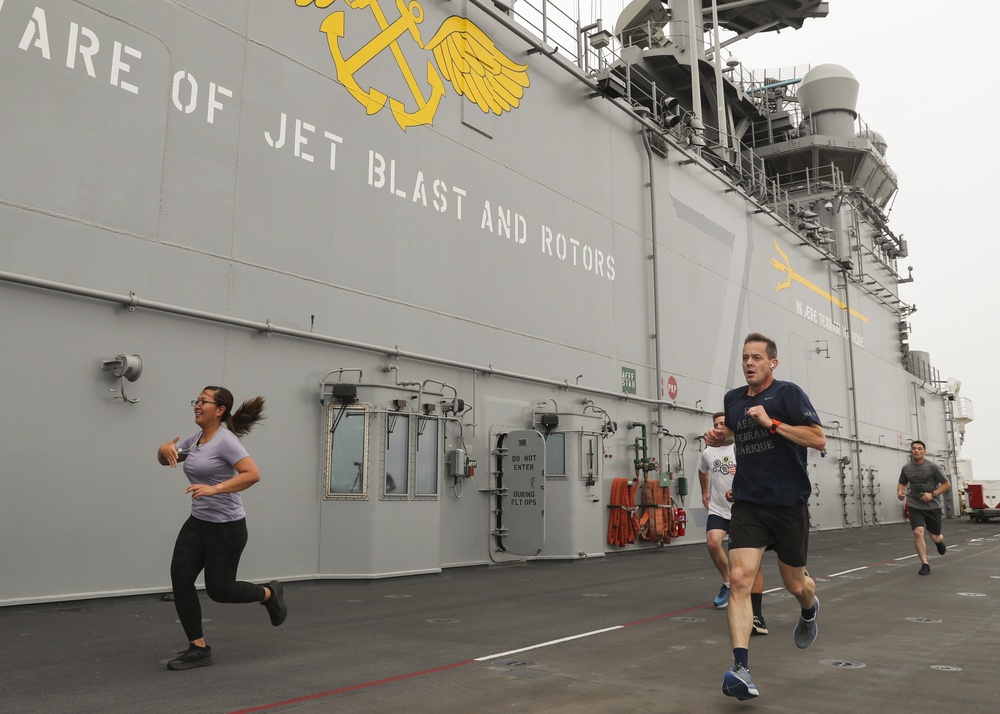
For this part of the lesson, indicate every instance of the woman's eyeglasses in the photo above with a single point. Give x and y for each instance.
(201, 402)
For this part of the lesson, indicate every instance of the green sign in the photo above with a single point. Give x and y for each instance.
(628, 380)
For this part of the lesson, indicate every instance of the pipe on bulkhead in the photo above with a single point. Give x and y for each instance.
(720, 101)
(694, 55)
(852, 387)
(842, 466)
(916, 410)
(133, 302)
(641, 445)
(654, 256)
(444, 385)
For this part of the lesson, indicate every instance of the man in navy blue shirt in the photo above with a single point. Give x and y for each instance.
(772, 424)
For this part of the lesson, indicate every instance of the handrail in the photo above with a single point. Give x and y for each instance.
(132, 302)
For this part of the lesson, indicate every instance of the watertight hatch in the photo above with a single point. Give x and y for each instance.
(523, 495)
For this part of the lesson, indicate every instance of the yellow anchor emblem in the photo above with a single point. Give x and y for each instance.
(465, 55)
(785, 266)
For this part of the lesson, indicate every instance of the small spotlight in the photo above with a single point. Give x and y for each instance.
(670, 103)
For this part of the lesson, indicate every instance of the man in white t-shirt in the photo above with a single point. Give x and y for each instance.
(715, 472)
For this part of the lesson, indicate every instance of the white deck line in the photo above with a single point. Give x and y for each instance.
(550, 642)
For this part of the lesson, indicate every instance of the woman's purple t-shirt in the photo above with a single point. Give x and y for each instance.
(211, 464)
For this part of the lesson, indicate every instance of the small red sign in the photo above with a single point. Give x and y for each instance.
(672, 388)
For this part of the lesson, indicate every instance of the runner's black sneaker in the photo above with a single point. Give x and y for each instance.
(194, 656)
(276, 603)
(925, 569)
(941, 548)
(759, 626)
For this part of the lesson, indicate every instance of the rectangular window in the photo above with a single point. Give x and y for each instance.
(347, 446)
(555, 454)
(427, 456)
(397, 455)
(591, 460)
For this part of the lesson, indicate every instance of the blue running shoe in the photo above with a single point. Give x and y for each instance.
(737, 683)
(805, 632)
(722, 599)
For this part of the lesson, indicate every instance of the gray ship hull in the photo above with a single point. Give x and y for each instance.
(239, 194)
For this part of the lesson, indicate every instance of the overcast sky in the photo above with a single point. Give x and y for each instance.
(927, 84)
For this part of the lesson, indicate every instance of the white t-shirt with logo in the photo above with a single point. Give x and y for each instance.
(719, 462)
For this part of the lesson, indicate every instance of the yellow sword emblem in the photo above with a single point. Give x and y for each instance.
(785, 266)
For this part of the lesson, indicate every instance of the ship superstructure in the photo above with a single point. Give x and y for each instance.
(481, 260)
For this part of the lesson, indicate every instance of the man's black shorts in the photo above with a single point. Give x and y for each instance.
(784, 528)
(920, 517)
(716, 523)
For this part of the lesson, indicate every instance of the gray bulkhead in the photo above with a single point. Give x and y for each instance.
(198, 188)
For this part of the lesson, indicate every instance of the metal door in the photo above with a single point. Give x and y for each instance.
(521, 492)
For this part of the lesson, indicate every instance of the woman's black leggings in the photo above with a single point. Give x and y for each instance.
(215, 548)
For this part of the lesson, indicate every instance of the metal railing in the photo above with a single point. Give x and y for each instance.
(616, 73)
(920, 368)
(963, 410)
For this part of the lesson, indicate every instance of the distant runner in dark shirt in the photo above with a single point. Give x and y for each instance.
(924, 482)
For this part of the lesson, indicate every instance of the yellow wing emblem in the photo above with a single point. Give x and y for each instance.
(476, 68)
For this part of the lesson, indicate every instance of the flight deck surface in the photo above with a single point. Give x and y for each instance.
(633, 632)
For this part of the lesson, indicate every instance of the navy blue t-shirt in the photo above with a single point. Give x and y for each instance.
(770, 469)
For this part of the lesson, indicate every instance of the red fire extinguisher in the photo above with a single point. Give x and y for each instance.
(678, 524)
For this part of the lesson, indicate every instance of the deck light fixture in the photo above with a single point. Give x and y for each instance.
(670, 121)
(344, 392)
(610, 83)
(125, 367)
(600, 39)
(548, 421)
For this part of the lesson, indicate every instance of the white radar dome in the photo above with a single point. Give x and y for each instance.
(829, 93)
